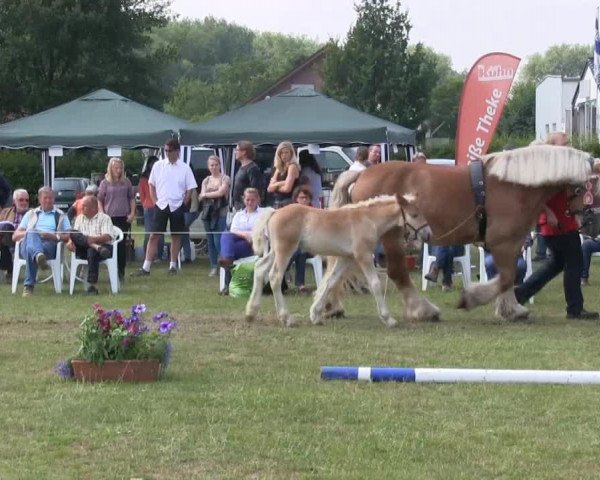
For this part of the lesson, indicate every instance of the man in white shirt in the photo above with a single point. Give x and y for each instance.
(171, 183)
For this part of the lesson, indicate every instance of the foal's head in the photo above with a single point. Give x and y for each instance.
(416, 228)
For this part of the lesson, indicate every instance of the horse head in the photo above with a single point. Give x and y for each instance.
(416, 228)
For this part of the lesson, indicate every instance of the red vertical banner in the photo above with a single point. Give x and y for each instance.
(481, 104)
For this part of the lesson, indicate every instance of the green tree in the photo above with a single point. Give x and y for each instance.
(234, 66)
(54, 50)
(565, 60)
(375, 71)
(445, 100)
(519, 114)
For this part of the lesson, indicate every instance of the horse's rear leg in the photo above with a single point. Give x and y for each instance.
(329, 282)
(368, 269)
(416, 307)
(263, 264)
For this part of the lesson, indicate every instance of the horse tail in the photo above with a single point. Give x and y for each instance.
(340, 194)
(260, 232)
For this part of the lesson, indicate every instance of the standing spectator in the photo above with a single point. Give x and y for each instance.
(213, 196)
(311, 175)
(40, 229)
(171, 184)
(117, 200)
(560, 229)
(374, 155)
(77, 208)
(285, 175)
(10, 218)
(238, 242)
(248, 175)
(91, 239)
(360, 160)
(4, 191)
(148, 206)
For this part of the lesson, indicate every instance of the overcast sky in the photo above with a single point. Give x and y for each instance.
(462, 29)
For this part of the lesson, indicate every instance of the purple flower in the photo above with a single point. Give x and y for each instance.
(166, 327)
(159, 316)
(137, 309)
(64, 369)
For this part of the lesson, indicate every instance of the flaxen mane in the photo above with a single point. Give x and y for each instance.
(540, 165)
(372, 201)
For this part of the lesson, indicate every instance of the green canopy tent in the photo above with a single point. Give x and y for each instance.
(301, 115)
(101, 119)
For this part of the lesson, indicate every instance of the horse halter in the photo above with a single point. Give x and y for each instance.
(408, 227)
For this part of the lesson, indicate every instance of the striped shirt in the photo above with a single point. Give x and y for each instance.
(99, 224)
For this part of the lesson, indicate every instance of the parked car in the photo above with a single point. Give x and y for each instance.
(67, 190)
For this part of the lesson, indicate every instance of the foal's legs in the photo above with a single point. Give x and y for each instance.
(366, 264)
(416, 307)
(282, 259)
(262, 267)
(329, 282)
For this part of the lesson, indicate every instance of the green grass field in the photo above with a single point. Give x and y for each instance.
(246, 401)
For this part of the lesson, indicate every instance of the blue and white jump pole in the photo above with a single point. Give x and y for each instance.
(459, 375)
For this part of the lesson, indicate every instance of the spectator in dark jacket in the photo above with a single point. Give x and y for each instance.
(248, 175)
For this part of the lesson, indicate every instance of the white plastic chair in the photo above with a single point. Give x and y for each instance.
(464, 261)
(111, 264)
(56, 268)
(483, 272)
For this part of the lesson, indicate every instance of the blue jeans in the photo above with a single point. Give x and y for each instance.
(444, 256)
(148, 225)
(588, 247)
(214, 240)
(299, 258)
(490, 268)
(232, 248)
(31, 246)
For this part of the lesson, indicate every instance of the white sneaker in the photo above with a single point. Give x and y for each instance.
(213, 272)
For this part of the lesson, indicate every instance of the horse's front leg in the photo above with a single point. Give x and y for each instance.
(329, 282)
(276, 278)
(416, 307)
(262, 267)
(366, 264)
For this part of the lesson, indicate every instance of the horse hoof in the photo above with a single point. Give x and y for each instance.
(391, 322)
(336, 314)
(250, 318)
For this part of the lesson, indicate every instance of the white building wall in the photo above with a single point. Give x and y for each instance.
(549, 107)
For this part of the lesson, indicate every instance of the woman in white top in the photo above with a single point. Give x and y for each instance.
(213, 203)
(238, 242)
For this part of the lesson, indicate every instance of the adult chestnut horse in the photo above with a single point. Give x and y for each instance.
(517, 184)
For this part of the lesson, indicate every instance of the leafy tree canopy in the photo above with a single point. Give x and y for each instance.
(228, 67)
(54, 50)
(375, 71)
(565, 60)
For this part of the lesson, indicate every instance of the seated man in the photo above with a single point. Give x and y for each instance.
(40, 229)
(238, 242)
(10, 218)
(91, 239)
(444, 260)
(490, 268)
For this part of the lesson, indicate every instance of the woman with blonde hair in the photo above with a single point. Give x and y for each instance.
(213, 198)
(285, 175)
(117, 200)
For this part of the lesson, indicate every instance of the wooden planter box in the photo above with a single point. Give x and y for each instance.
(117, 370)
